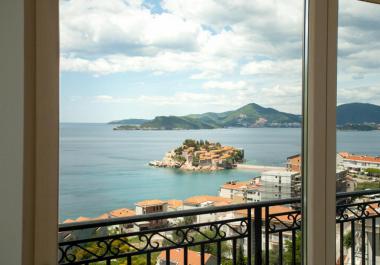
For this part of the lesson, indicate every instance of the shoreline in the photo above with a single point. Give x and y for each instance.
(259, 168)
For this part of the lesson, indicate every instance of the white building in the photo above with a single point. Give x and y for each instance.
(244, 191)
(207, 201)
(279, 184)
(357, 163)
(151, 206)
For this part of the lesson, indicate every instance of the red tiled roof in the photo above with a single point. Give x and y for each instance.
(363, 158)
(177, 257)
(276, 209)
(175, 203)
(205, 198)
(150, 203)
(123, 212)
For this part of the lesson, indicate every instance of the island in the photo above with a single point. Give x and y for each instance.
(201, 155)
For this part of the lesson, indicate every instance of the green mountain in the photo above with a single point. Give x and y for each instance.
(352, 116)
(250, 115)
(175, 123)
(129, 122)
(357, 113)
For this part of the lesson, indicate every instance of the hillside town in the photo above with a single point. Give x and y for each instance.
(351, 170)
(201, 155)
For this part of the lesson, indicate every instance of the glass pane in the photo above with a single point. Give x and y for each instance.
(180, 104)
(358, 134)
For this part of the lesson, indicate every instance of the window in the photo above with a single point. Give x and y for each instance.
(316, 100)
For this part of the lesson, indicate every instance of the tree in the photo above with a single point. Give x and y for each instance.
(211, 247)
(195, 162)
(240, 256)
(347, 240)
(189, 143)
(373, 172)
(288, 257)
(179, 150)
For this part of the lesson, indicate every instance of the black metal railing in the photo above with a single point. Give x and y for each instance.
(252, 233)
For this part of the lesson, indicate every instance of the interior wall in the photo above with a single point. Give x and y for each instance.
(11, 130)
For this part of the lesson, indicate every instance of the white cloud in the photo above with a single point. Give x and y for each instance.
(180, 98)
(225, 85)
(100, 27)
(104, 98)
(366, 94)
(268, 67)
(210, 37)
(162, 62)
(358, 41)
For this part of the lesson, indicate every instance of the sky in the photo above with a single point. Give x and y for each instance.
(144, 58)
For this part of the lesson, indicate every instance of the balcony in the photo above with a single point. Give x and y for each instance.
(267, 232)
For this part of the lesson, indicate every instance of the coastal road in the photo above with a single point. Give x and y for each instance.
(259, 168)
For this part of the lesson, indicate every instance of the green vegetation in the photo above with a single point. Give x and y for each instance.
(210, 248)
(353, 116)
(251, 115)
(202, 152)
(373, 172)
(357, 127)
(127, 128)
(368, 185)
(289, 248)
(357, 113)
(195, 162)
(129, 122)
(179, 159)
(347, 240)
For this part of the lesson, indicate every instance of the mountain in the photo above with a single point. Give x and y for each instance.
(352, 116)
(250, 115)
(357, 113)
(129, 122)
(174, 122)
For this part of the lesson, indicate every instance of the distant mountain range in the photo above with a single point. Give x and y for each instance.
(254, 116)
(250, 115)
(357, 113)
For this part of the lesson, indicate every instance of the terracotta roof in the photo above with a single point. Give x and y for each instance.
(238, 185)
(222, 203)
(150, 203)
(177, 257)
(205, 198)
(227, 147)
(68, 221)
(175, 203)
(102, 217)
(79, 219)
(277, 209)
(82, 219)
(364, 158)
(123, 212)
(373, 209)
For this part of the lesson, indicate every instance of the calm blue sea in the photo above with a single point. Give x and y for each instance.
(102, 169)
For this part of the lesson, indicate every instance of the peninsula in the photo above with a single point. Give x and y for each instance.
(201, 156)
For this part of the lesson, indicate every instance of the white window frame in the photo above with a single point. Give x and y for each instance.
(319, 145)
(41, 131)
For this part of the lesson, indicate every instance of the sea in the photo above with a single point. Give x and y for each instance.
(102, 169)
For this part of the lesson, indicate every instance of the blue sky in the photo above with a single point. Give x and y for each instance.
(139, 59)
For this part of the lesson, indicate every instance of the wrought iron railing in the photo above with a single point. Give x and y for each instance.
(251, 233)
